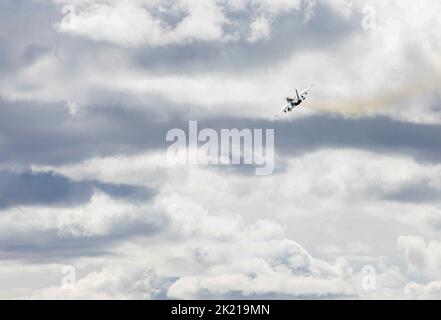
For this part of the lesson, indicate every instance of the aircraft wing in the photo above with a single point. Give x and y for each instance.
(305, 92)
(283, 110)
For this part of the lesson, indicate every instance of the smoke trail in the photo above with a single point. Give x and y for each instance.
(372, 104)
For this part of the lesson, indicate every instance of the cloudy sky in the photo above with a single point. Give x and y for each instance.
(91, 208)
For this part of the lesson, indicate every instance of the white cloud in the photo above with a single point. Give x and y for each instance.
(120, 283)
(144, 22)
(260, 29)
(351, 184)
(430, 291)
(212, 251)
(344, 186)
(102, 216)
(423, 259)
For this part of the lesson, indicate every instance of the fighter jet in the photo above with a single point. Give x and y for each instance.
(294, 102)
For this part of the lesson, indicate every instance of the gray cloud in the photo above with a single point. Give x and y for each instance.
(421, 192)
(289, 35)
(35, 133)
(377, 134)
(48, 133)
(27, 189)
(201, 247)
(26, 32)
(55, 192)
